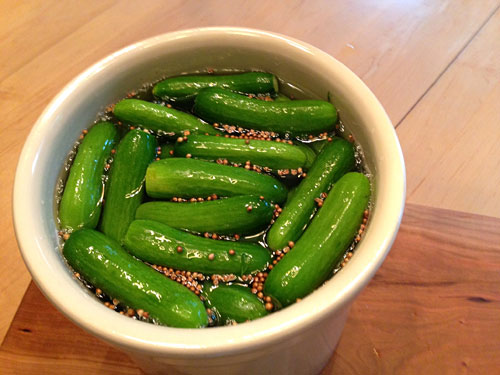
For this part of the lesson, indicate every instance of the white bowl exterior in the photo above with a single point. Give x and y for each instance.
(321, 314)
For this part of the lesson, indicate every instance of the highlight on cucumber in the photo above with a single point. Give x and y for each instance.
(217, 195)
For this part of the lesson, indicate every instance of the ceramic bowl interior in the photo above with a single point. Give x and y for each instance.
(108, 81)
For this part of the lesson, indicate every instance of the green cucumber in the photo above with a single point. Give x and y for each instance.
(159, 118)
(291, 192)
(275, 155)
(160, 244)
(221, 216)
(125, 188)
(309, 152)
(165, 151)
(186, 178)
(335, 160)
(315, 255)
(185, 88)
(233, 303)
(317, 146)
(103, 262)
(294, 117)
(82, 197)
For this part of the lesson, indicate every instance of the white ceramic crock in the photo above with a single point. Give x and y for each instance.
(297, 340)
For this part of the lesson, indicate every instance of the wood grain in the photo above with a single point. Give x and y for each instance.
(399, 48)
(450, 139)
(42, 341)
(431, 308)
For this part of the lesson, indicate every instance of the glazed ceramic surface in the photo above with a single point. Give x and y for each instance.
(299, 339)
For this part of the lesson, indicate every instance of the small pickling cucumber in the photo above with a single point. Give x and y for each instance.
(187, 178)
(82, 197)
(271, 154)
(233, 303)
(159, 118)
(160, 244)
(318, 145)
(334, 161)
(106, 265)
(125, 188)
(321, 247)
(309, 152)
(294, 117)
(221, 216)
(184, 88)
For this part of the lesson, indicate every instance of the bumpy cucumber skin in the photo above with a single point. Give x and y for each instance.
(295, 117)
(103, 263)
(314, 256)
(233, 303)
(222, 216)
(82, 197)
(274, 155)
(158, 243)
(157, 117)
(333, 162)
(185, 88)
(186, 178)
(125, 188)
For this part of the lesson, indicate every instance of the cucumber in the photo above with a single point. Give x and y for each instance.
(186, 178)
(104, 263)
(159, 244)
(291, 191)
(317, 146)
(165, 151)
(185, 88)
(318, 251)
(82, 197)
(294, 117)
(125, 188)
(335, 160)
(309, 152)
(159, 118)
(233, 303)
(275, 155)
(222, 216)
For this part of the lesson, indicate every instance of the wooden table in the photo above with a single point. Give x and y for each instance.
(435, 66)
